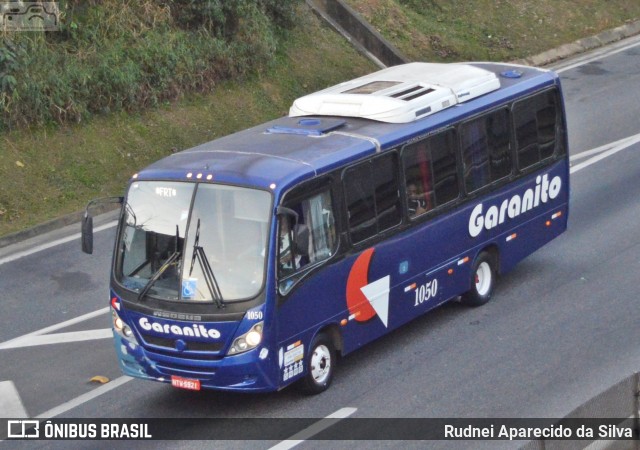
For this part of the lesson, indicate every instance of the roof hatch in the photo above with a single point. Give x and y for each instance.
(399, 94)
(308, 127)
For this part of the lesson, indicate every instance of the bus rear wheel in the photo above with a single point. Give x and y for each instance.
(483, 279)
(321, 362)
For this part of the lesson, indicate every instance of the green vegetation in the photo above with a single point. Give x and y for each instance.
(489, 30)
(127, 82)
(129, 55)
(52, 170)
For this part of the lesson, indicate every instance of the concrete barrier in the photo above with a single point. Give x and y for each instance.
(358, 31)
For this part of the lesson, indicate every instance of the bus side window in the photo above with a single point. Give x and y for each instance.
(361, 206)
(474, 155)
(485, 149)
(535, 124)
(373, 197)
(430, 172)
(308, 239)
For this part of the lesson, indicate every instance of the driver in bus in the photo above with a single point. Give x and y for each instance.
(292, 256)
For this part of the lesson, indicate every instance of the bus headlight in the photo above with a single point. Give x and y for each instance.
(127, 331)
(250, 340)
(122, 328)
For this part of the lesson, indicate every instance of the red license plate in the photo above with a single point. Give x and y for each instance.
(185, 383)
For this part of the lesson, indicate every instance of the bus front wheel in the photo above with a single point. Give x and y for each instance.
(321, 362)
(483, 279)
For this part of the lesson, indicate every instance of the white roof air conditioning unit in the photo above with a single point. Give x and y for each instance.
(399, 94)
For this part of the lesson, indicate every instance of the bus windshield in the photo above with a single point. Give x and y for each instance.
(193, 242)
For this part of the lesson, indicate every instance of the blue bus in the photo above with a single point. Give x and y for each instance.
(254, 261)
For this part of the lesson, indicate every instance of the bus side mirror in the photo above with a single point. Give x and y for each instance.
(87, 233)
(87, 222)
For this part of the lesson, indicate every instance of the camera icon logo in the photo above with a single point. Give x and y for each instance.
(29, 16)
(22, 429)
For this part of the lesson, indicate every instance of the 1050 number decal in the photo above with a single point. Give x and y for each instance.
(426, 291)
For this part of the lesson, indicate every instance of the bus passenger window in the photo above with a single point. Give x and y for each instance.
(430, 173)
(475, 156)
(485, 149)
(385, 179)
(547, 130)
(499, 139)
(535, 123)
(360, 202)
(372, 194)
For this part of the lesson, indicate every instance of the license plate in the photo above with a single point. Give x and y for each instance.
(185, 383)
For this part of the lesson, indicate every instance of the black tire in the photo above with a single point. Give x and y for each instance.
(483, 280)
(320, 364)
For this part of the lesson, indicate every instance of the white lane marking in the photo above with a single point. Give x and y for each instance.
(58, 338)
(84, 398)
(55, 243)
(604, 152)
(314, 429)
(11, 406)
(8, 344)
(597, 56)
(594, 151)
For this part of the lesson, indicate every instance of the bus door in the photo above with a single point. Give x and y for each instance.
(307, 299)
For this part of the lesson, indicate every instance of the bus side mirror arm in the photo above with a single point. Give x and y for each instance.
(284, 211)
(87, 222)
(300, 231)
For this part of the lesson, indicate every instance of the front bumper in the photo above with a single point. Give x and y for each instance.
(247, 372)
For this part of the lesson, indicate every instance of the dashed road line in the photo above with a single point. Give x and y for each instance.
(603, 152)
(11, 406)
(58, 338)
(58, 326)
(84, 398)
(314, 429)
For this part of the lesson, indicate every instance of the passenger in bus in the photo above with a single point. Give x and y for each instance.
(416, 202)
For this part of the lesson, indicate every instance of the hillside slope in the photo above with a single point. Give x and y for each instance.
(51, 171)
(490, 30)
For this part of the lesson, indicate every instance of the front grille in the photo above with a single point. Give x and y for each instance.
(187, 372)
(192, 346)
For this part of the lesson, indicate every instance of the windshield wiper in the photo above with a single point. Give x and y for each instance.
(156, 276)
(207, 271)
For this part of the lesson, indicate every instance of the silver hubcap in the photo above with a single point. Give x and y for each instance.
(483, 278)
(320, 364)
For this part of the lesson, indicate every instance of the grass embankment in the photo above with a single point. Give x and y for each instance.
(51, 170)
(490, 30)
